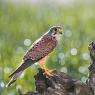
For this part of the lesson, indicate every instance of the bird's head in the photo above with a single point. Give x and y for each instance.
(56, 31)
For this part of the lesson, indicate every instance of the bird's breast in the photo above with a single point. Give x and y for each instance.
(42, 48)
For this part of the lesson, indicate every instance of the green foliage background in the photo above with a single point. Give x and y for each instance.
(20, 22)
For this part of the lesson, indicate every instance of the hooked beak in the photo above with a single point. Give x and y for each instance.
(60, 30)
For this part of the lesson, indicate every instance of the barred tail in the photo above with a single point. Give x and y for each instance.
(14, 78)
(16, 74)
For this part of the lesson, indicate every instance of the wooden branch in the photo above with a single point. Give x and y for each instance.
(91, 79)
(62, 84)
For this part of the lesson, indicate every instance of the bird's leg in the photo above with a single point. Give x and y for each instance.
(47, 72)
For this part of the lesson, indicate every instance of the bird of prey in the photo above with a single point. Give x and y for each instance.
(39, 50)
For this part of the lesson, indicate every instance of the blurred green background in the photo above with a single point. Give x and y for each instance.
(21, 23)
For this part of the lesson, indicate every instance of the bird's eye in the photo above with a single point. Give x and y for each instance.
(55, 29)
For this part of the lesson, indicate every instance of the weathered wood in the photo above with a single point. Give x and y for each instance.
(91, 79)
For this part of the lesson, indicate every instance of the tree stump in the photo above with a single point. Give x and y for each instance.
(62, 84)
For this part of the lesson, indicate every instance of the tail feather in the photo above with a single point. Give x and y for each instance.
(10, 82)
(23, 66)
(16, 74)
(14, 78)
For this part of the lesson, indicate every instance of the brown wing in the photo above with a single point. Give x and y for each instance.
(42, 48)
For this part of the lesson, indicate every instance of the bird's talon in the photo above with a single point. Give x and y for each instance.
(48, 74)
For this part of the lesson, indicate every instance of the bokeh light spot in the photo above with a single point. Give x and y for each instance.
(73, 51)
(68, 33)
(7, 70)
(83, 69)
(27, 42)
(64, 69)
(61, 55)
(2, 84)
(86, 56)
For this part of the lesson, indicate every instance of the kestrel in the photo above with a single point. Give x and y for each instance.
(39, 50)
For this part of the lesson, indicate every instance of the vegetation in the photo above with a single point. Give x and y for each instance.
(21, 25)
